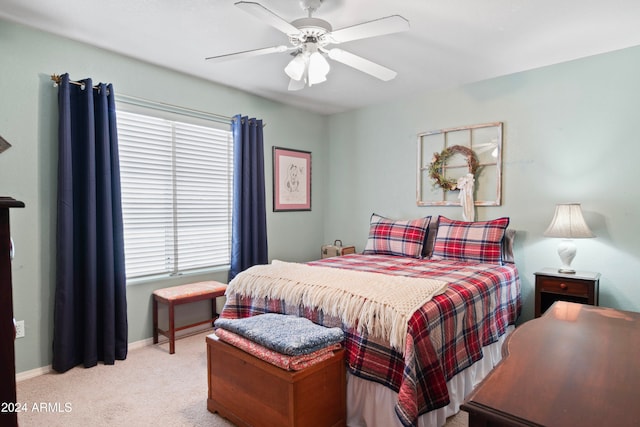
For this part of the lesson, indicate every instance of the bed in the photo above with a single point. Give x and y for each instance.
(420, 373)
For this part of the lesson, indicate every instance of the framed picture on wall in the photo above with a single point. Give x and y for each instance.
(291, 180)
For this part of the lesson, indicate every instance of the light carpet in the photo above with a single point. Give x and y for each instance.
(149, 388)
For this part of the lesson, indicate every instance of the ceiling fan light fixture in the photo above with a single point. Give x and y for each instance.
(296, 68)
(318, 68)
(317, 80)
(297, 84)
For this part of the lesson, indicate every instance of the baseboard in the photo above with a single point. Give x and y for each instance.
(139, 344)
(26, 375)
(179, 334)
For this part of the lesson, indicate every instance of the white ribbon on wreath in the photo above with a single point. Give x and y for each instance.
(465, 185)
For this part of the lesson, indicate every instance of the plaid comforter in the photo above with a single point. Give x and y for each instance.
(444, 337)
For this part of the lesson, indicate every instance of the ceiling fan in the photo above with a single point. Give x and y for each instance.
(308, 41)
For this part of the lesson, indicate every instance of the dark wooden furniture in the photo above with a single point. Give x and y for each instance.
(251, 392)
(184, 294)
(577, 365)
(582, 287)
(8, 415)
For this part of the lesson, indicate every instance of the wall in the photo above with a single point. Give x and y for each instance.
(570, 135)
(28, 120)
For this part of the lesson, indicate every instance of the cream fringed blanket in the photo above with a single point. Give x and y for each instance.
(379, 304)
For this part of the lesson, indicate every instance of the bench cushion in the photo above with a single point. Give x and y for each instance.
(286, 334)
(190, 290)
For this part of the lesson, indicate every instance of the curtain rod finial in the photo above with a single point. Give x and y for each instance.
(56, 79)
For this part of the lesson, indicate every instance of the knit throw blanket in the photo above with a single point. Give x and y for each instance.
(378, 304)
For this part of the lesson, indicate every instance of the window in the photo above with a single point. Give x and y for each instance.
(176, 195)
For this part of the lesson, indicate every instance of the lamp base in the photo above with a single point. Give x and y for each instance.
(567, 251)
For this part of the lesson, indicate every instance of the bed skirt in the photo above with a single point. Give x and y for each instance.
(372, 404)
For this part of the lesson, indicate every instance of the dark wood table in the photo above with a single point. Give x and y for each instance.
(577, 365)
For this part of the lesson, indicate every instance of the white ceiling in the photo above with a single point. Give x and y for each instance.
(450, 42)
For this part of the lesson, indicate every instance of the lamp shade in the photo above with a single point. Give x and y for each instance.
(568, 223)
(296, 67)
(318, 68)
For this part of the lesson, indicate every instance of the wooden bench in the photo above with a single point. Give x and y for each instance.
(184, 294)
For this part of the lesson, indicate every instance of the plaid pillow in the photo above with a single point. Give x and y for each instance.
(396, 237)
(479, 241)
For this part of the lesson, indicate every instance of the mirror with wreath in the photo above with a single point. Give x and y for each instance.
(457, 161)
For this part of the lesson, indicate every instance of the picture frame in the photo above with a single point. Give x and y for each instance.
(291, 180)
(485, 140)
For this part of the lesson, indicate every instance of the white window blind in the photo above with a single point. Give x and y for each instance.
(176, 195)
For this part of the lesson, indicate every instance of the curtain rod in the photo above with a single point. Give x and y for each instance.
(57, 79)
(142, 102)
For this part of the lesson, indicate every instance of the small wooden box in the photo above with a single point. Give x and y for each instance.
(251, 392)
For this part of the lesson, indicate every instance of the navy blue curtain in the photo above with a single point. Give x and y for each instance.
(249, 221)
(90, 311)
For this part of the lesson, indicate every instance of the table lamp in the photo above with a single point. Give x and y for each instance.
(568, 223)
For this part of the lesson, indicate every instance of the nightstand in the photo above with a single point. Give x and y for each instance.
(582, 287)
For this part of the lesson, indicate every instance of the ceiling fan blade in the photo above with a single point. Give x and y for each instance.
(249, 53)
(361, 64)
(267, 16)
(377, 27)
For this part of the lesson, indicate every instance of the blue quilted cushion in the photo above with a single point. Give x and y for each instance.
(286, 334)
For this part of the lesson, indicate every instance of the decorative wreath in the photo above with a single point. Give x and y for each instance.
(440, 159)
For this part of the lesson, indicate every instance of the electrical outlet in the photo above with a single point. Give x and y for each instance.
(20, 329)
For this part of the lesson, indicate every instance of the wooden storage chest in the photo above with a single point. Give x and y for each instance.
(251, 392)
